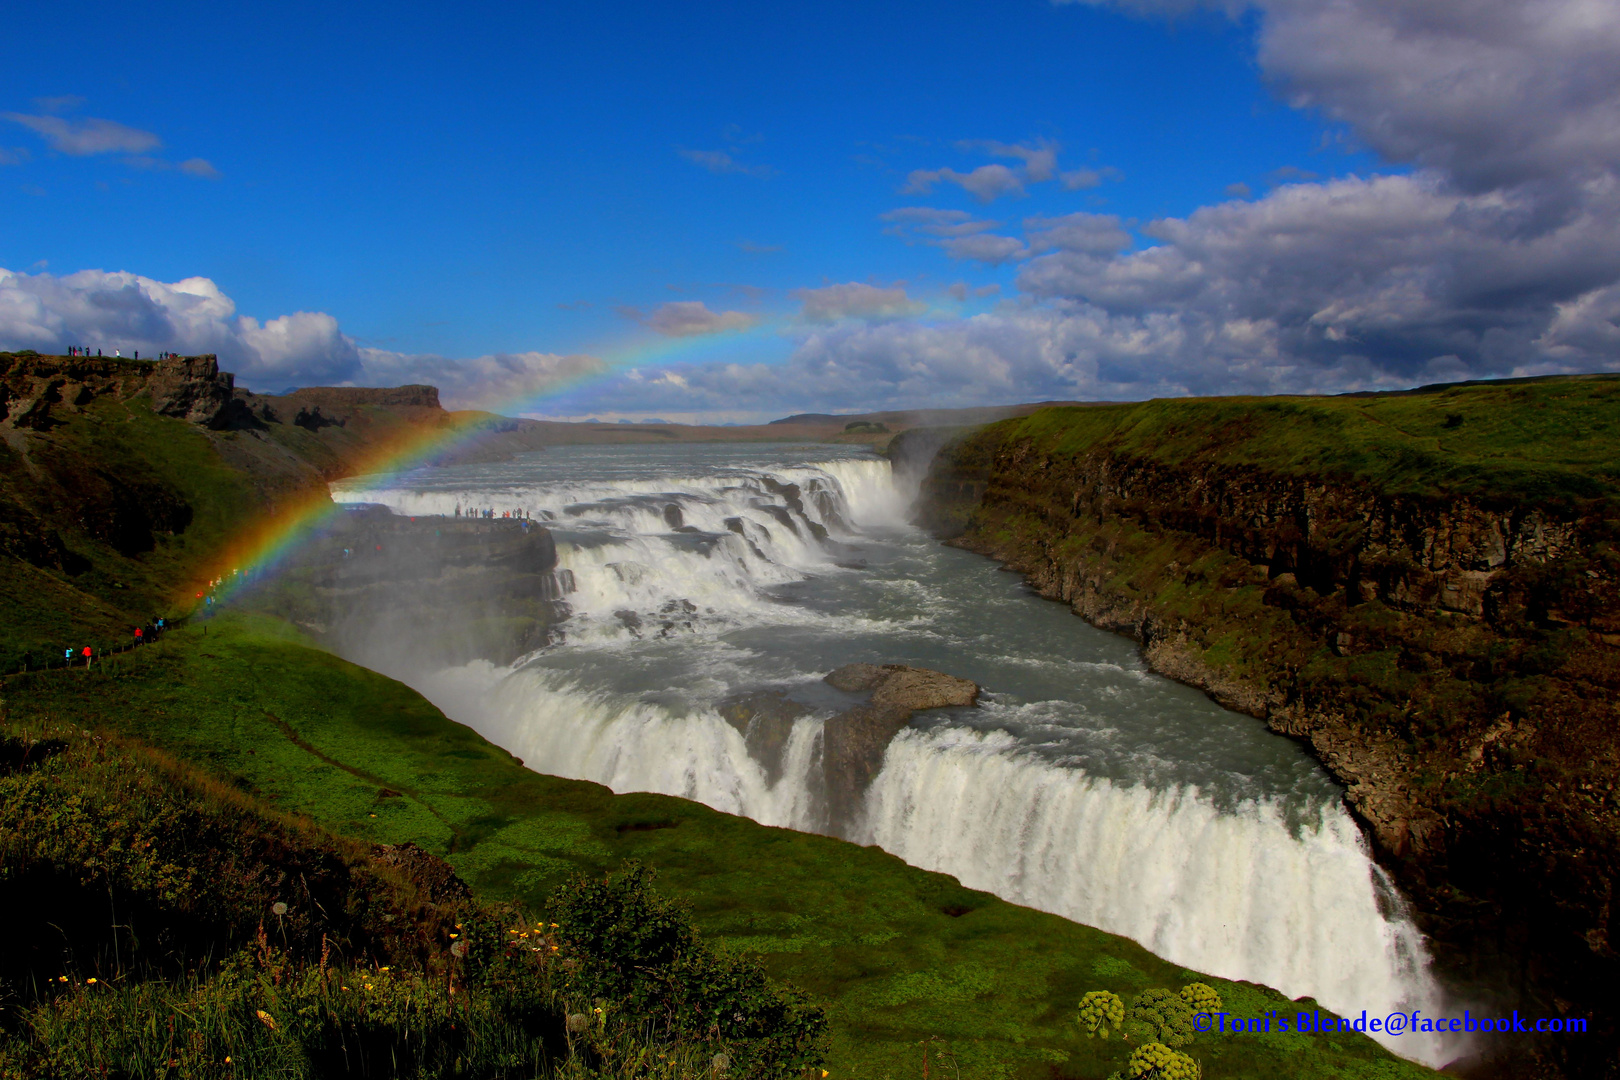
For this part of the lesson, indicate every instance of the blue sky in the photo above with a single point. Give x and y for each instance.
(451, 183)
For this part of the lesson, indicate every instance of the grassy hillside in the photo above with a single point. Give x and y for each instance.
(900, 956)
(1531, 439)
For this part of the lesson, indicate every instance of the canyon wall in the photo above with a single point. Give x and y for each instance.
(1438, 617)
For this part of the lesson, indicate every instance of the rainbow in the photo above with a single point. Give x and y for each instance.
(262, 546)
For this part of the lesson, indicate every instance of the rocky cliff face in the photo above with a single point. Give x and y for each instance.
(40, 392)
(1454, 660)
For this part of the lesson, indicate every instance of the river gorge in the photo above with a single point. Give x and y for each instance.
(1082, 783)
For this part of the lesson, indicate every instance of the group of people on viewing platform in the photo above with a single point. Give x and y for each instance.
(81, 350)
(488, 513)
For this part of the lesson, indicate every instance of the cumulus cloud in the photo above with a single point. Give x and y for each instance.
(81, 138)
(129, 313)
(1491, 92)
(854, 300)
(688, 318)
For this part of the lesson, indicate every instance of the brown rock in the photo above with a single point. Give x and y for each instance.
(765, 718)
(193, 388)
(434, 877)
(854, 741)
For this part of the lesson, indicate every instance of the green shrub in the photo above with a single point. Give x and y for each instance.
(1161, 1015)
(624, 944)
(1101, 1011)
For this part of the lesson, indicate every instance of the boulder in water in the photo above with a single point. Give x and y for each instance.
(854, 741)
(899, 686)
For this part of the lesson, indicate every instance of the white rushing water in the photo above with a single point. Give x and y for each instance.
(1084, 785)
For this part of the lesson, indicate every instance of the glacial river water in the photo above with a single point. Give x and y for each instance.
(1083, 784)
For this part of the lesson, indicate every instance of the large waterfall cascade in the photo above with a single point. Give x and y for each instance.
(1083, 784)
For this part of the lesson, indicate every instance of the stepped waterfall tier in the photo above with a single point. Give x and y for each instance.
(703, 592)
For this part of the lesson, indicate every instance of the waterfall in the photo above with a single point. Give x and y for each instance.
(691, 584)
(1240, 894)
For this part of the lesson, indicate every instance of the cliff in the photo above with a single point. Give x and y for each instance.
(121, 479)
(1424, 587)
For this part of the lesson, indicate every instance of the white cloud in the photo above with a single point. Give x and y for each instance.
(1040, 160)
(81, 138)
(1090, 234)
(1491, 92)
(1585, 332)
(687, 318)
(985, 247)
(854, 300)
(933, 222)
(129, 313)
(1084, 179)
(497, 382)
(198, 167)
(989, 182)
(720, 162)
(986, 183)
(955, 231)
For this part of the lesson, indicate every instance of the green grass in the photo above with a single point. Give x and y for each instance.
(995, 984)
(1538, 440)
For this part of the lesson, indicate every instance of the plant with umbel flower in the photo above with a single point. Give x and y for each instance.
(1201, 998)
(1156, 1061)
(1158, 1015)
(1100, 1013)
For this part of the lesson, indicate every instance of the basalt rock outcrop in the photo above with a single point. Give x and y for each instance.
(1449, 649)
(38, 392)
(854, 741)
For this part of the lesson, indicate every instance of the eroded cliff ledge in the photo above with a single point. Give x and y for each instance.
(1425, 587)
